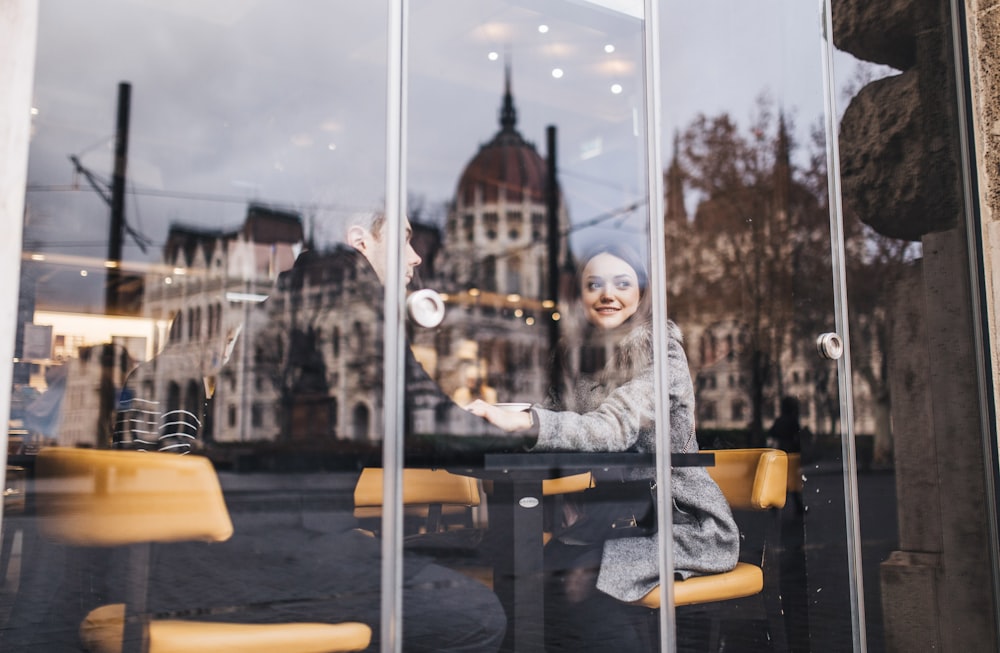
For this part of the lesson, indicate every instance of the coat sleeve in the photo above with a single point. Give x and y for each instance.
(614, 426)
(626, 414)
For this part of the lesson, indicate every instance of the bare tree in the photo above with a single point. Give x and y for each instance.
(755, 246)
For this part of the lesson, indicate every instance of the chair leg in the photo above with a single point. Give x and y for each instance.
(772, 587)
(715, 634)
(9, 533)
(649, 631)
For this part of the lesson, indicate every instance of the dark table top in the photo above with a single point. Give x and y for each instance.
(553, 464)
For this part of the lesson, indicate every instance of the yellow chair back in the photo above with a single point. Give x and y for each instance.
(91, 497)
(567, 484)
(751, 479)
(420, 486)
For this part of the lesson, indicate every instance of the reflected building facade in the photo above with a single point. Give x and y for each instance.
(301, 365)
(494, 268)
(210, 289)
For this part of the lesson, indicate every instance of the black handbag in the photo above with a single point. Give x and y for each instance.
(631, 506)
(613, 509)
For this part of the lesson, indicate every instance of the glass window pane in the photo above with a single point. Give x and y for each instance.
(527, 157)
(925, 504)
(751, 284)
(191, 170)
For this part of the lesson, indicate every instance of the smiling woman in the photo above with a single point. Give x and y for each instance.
(611, 407)
(610, 292)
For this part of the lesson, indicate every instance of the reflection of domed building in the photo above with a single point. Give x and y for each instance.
(495, 268)
(306, 366)
(497, 230)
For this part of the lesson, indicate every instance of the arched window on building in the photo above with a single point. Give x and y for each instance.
(488, 274)
(738, 410)
(360, 338)
(515, 225)
(334, 414)
(360, 418)
(469, 227)
(514, 274)
(537, 227)
(176, 327)
(194, 395)
(491, 222)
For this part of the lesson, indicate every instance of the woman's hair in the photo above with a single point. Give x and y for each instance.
(618, 250)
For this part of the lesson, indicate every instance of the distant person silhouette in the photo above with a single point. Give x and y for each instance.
(786, 434)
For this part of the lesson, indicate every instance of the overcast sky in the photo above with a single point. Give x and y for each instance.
(284, 102)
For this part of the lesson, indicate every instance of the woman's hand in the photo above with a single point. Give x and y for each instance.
(505, 419)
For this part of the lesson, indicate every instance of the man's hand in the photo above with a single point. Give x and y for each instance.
(505, 419)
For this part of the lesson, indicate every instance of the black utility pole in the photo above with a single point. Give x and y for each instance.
(112, 287)
(553, 237)
(116, 232)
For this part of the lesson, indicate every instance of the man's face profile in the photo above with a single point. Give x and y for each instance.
(372, 245)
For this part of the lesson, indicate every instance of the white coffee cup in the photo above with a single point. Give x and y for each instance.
(516, 407)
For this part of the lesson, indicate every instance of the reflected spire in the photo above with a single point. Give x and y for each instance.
(676, 211)
(508, 115)
(782, 168)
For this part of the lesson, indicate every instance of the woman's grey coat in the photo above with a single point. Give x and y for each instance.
(614, 411)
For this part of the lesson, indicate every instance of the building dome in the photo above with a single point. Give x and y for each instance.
(497, 229)
(506, 162)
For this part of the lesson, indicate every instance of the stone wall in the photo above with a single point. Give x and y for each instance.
(902, 173)
(983, 37)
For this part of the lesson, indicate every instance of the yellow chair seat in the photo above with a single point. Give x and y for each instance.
(103, 498)
(745, 580)
(567, 484)
(101, 632)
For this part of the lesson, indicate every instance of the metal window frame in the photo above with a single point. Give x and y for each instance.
(19, 36)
